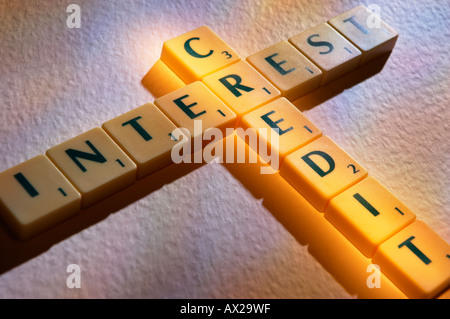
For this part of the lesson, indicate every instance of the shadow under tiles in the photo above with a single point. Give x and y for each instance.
(14, 252)
(309, 227)
(339, 85)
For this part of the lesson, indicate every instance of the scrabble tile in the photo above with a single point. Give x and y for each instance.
(325, 244)
(94, 164)
(329, 50)
(321, 170)
(34, 196)
(161, 80)
(195, 102)
(367, 31)
(145, 134)
(368, 214)
(197, 53)
(417, 260)
(293, 130)
(241, 87)
(288, 69)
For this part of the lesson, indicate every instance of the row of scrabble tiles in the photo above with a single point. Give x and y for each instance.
(45, 190)
(295, 67)
(372, 218)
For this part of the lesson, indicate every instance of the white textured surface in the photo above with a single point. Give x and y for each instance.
(200, 233)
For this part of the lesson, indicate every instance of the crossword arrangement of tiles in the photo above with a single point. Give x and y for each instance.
(199, 77)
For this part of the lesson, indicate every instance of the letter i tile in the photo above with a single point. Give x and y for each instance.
(34, 195)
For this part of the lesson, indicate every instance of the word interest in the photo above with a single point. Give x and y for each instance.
(205, 94)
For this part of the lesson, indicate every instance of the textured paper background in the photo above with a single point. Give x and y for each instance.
(201, 233)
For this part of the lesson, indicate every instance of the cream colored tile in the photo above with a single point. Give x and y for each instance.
(34, 196)
(145, 134)
(329, 50)
(94, 164)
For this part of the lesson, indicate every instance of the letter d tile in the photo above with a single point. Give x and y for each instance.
(321, 170)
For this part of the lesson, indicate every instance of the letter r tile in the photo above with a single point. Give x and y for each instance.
(287, 127)
(320, 170)
(94, 164)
